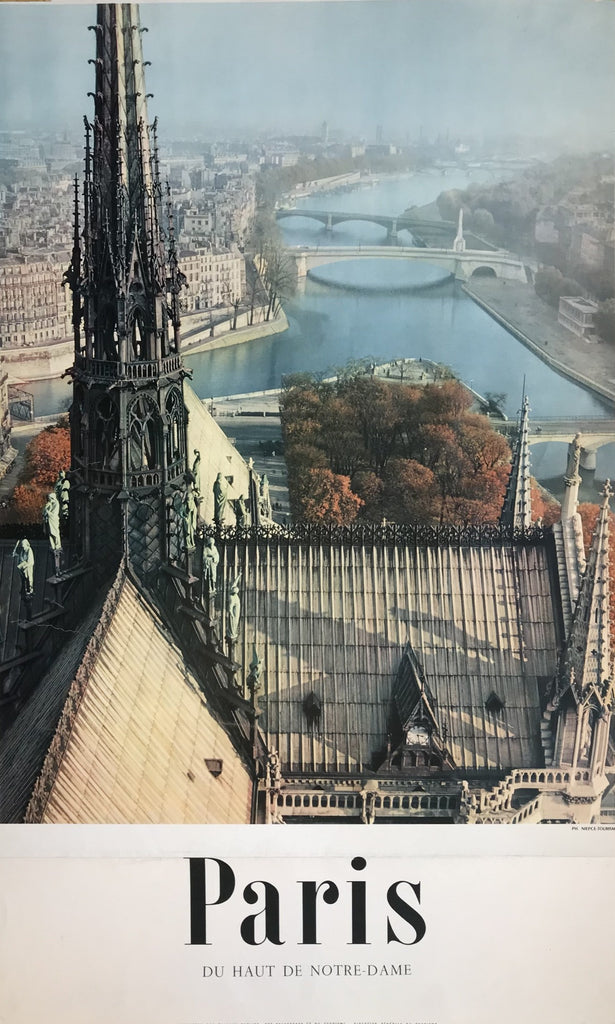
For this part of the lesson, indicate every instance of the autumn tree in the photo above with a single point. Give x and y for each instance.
(340, 434)
(370, 489)
(543, 506)
(379, 418)
(413, 454)
(409, 491)
(300, 413)
(45, 455)
(484, 449)
(329, 499)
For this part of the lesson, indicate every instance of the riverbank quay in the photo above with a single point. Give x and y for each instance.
(519, 310)
(33, 363)
(418, 372)
(225, 337)
(49, 362)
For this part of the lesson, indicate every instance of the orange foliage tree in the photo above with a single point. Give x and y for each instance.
(543, 507)
(329, 499)
(45, 455)
(414, 454)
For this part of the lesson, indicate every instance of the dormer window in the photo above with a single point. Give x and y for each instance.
(494, 704)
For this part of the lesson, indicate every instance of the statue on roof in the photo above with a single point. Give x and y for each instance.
(209, 565)
(233, 609)
(196, 471)
(242, 513)
(265, 498)
(51, 523)
(220, 499)
(189, 516)
(25, 565)
(253, 681)
(62, 493)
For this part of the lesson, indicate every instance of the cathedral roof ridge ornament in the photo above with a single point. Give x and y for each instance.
(517, 508)
(587, 662)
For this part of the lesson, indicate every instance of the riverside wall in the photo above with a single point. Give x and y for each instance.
(602, 389)
(224, 336)
(26, 364)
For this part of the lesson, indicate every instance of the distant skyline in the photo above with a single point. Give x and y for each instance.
(477, 68)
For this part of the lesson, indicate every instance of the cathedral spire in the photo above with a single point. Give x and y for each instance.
(517, 509)
(128, 416)
(129, 318)
(587, 667)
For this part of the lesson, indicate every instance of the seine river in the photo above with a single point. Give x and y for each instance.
(368, 310)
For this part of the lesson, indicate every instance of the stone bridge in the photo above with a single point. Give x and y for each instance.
(462, 265)
(443, 228)
(594, 434)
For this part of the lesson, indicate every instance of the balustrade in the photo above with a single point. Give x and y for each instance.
(146, 369)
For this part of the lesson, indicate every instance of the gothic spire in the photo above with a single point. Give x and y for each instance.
(128, 421)
(587, 665)
(517, 509)
(130, 292)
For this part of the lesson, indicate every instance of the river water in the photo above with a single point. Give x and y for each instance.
(365, 310)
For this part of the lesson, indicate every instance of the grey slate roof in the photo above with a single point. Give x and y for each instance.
(25, 744)
(11, 605)
(333, 620)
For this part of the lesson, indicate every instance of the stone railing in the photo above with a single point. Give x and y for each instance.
(307, 803)
(146, 369)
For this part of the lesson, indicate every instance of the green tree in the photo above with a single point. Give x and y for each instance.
(548, 284)
(604, 320)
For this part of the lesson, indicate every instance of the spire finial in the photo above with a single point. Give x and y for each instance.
(517, 508)
(588, 664)
(607, 491)
(572, 480)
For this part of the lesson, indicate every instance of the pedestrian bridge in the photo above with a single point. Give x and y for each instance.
(462, 265)
(594, 434)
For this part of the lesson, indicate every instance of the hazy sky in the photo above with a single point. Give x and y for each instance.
(537, 67)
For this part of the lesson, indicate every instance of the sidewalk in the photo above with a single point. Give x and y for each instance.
(535, 323)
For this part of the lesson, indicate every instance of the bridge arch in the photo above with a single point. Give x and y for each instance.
(462, 264)
(484, 272)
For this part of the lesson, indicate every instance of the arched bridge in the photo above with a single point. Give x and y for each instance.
(443, 229)
(594, 434)
(461, 264)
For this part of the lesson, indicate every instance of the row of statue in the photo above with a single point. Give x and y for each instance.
(55, 516)
(239, 505)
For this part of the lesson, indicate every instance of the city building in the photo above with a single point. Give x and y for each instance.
(35, 308)
(214, 278)
(219, 215)
(7, 452)
(180, 658)
(576, 314)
